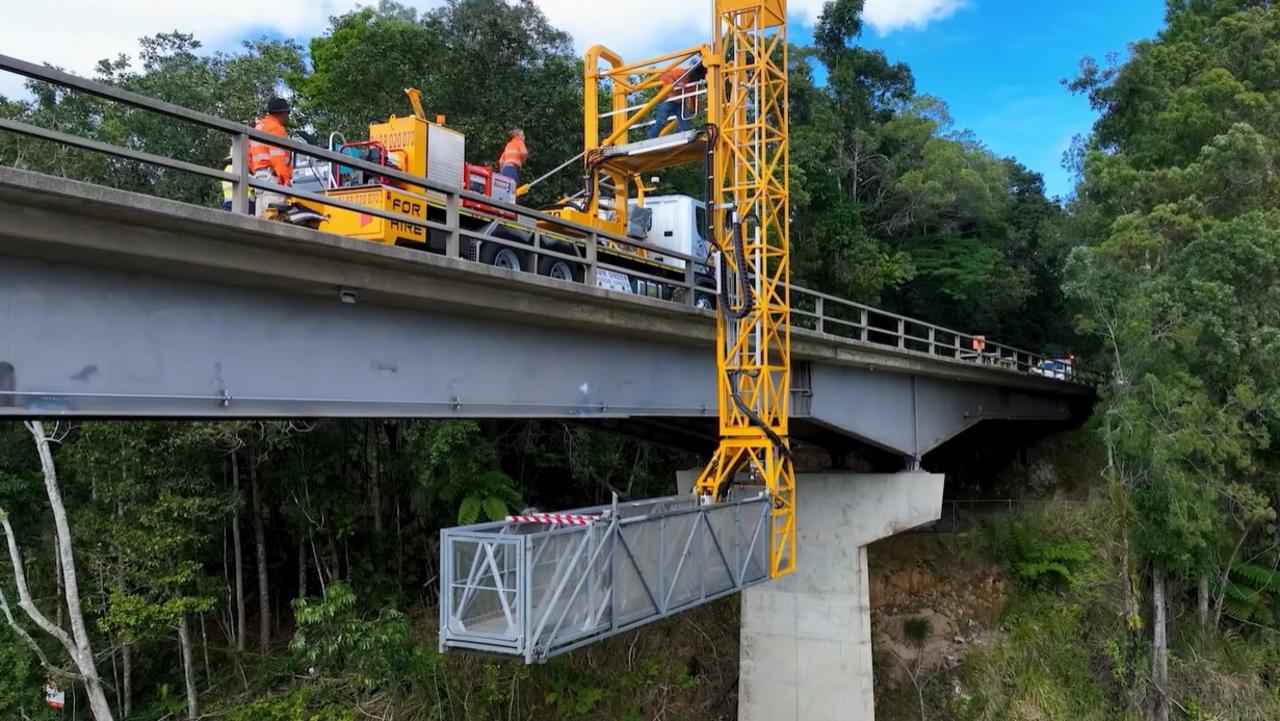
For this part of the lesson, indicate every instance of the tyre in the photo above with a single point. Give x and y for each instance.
(704, 296)
(560, 269)
(500, 256)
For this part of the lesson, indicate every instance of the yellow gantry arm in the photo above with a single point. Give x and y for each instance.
(747, 103)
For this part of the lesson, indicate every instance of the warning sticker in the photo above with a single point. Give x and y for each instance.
(54, 696)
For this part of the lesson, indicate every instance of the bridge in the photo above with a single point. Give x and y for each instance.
(115, 304)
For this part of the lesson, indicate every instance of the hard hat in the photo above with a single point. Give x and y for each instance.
(277, 105)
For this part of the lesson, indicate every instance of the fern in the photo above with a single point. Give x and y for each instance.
(1251, 594)
(1038, 561)
(495, 509)
(1258, 577)
(469, 510)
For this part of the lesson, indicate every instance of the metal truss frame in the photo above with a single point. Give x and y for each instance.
(540, 590)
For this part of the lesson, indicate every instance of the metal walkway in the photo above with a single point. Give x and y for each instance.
(537, 590)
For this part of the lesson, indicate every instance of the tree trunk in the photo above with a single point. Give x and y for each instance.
(188, 669)
(375, 479)
(1202, 601)
(126, 678)
(1225, 579)
(126, 651)
(238, 549)
(260, 540)
(204, 646)
(1159, 644)
(78, 644)
(60, 591)
(302, 567)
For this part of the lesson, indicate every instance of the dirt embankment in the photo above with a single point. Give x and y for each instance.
(930, 603)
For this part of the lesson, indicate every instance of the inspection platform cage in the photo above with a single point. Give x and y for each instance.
(539, 589)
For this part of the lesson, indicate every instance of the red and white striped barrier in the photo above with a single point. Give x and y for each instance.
(562, 519)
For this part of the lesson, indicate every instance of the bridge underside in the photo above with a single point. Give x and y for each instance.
(89, 341)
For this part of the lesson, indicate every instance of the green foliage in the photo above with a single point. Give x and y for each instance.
(1036, 557)
(1040, 670)
(892, 206)
(21, 680)
(1176, 280)
(531, 78)
(458, 468)
(1253, 594)
(335, 639)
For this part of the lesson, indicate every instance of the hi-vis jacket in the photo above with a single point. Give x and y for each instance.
(262, 155)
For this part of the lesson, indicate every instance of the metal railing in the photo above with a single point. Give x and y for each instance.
(821, 313)
(537, 590)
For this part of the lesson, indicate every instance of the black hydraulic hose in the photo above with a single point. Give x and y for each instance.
(726, 306)
(740, 278)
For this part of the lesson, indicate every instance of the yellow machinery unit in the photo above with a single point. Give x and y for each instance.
(411, 144)
(371, 227)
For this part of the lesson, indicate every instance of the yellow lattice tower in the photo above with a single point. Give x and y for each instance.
(747, 103)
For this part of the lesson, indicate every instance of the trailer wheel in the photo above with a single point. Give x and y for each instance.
(560, 269)
(501, 256)
(704, 295)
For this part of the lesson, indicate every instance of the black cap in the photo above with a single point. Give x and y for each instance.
(277, 105)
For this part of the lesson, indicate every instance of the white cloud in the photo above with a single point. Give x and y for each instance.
(886, 16)
(75, 34)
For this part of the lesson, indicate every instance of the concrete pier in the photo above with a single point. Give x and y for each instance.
(806, 638)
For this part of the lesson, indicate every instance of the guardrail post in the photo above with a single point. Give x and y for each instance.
(240, 169)
(902, 333)
(933, 345)
(589, 273)
(864, 332)
(453, 242)
(689, 284)
(819, 309)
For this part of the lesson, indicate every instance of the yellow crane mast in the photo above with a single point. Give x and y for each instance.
(745, 147)
(748, 106)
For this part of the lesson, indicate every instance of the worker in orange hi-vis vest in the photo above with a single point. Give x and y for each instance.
(679, 79)
(269, 163)
(980, 345)
(513, 156)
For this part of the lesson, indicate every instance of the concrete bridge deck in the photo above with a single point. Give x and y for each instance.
(118, 304)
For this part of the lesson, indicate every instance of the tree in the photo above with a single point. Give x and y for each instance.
(486, 66)
(77, 644)
(229, 85)
(1177, 200)
(150, 518)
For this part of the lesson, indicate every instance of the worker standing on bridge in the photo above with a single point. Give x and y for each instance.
(514, 155)
(678, 78)
(268, 162)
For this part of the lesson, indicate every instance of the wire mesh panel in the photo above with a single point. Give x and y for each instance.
(540, 589)
(480, 601)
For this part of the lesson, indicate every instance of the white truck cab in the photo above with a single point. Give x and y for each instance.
(677, 223)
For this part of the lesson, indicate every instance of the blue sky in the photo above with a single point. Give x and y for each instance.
(997, 64)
